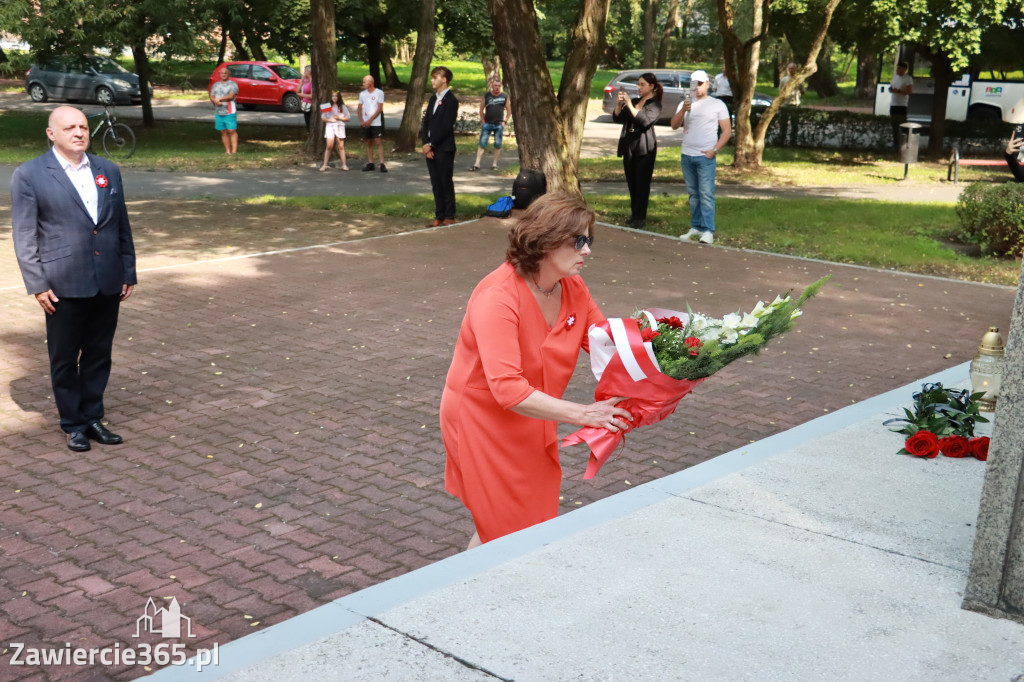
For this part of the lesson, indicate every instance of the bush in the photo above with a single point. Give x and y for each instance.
(992, 216)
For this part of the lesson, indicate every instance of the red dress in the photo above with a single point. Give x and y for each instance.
(502, 465)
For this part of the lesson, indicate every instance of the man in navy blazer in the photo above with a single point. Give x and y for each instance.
(438, 135)
(74, 245)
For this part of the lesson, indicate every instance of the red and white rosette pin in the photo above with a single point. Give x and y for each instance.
(102, 182)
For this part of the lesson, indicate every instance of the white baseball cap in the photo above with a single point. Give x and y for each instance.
(700, 76)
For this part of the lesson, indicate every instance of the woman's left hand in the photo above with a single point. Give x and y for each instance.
(605, 415)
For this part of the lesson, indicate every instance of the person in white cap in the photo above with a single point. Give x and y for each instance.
(706, 129)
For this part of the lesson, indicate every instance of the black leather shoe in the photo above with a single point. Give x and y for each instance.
(78, 442)
(100, 434)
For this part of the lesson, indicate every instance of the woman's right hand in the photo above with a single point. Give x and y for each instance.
(605, 415)
(1014, 145)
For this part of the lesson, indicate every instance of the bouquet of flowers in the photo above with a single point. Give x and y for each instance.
(655, 359)
(942, 420)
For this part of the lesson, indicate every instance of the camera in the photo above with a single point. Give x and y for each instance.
(1018, 130)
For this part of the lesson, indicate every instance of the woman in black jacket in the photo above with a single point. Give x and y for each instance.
(638, 145)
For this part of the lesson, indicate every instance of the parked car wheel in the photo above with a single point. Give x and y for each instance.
(291, 103)
(37, 92)
(104, 95)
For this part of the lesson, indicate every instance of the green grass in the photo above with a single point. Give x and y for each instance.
(905, 236)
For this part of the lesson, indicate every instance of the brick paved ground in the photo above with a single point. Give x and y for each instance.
(280, 417)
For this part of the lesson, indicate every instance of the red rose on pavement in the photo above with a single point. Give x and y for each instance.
(979, 448)
(673, 322)
(954, 446)
(648, 334)
(923, 444)
(693, 343)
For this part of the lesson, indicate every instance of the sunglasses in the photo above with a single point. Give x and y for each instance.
(583, 240)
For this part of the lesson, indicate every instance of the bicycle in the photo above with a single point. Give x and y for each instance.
(118, 140)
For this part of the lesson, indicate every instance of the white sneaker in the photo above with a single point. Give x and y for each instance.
(691, 235)
(707, 238)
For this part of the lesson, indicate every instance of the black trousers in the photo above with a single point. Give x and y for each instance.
(897, 115)
(79, 336)
(442, 170)
(639, 171)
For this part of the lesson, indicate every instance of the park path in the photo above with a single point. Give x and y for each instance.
(280, 414)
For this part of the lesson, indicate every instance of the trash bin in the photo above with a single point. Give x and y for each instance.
(910, 142)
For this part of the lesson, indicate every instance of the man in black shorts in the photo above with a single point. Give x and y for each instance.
(371, 118)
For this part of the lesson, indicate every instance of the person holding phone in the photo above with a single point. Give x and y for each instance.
(638, 145)
(1015, 153)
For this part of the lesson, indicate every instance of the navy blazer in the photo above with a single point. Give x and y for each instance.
(438, 129)
(57, 245)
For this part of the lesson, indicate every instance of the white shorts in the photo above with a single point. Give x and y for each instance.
(334, 129)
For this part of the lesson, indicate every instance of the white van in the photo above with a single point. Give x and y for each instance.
(980, 100)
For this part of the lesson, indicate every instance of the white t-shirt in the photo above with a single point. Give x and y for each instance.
(701, 129)
(372, 101)
(722, 87)
(899, 81)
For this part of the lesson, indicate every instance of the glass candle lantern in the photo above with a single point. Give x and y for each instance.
(987, 369)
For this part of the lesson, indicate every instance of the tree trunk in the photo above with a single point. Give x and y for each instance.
(745, 57)
(407, 139)
(586, 42)
(942, 72)
(823, 81)
(241, 54)
(143, 71)
(324, 63)
(867, 67)
(741, 60)
(671, 24)
(390, 75)
(223, 46)
(492, 67)
(549, 129)
(373, 50)
(3, 56)
(650, 17)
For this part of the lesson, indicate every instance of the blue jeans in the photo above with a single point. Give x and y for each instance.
(487, 129)
(699, 174)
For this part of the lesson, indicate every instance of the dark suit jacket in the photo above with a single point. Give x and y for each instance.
(637, 137)
(57, 245)
(438, 130)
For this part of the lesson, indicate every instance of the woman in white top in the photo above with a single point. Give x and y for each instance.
(334, 128)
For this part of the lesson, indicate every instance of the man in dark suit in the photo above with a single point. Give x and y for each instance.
(438, 135)
(74, 245)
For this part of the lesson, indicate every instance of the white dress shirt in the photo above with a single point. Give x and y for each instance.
(81, 177)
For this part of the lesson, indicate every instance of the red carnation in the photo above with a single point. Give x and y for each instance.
(693, 343)
(673, 322)
(923, 444)
(954, 446)
(979, 448)
(648, 334)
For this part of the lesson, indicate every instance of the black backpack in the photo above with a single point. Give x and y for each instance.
(529, 185)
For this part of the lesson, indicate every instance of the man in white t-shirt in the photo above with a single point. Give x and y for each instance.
(900, 88)
(706, 129)
(371, 118)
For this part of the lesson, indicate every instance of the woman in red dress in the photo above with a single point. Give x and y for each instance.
(518, 344)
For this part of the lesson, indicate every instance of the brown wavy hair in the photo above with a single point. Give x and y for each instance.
(545, 225)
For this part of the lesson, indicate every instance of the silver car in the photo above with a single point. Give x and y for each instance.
(676, 83)
(89, 78)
